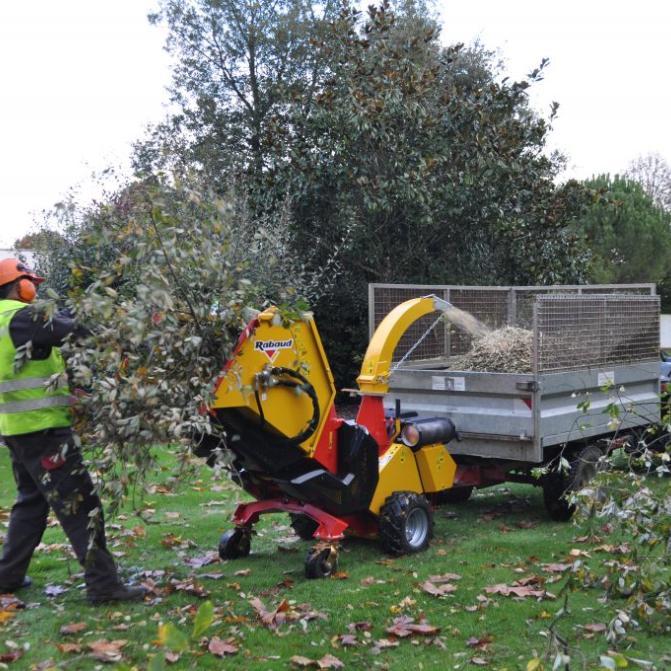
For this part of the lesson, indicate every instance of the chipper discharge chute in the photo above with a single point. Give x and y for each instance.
(292, 452)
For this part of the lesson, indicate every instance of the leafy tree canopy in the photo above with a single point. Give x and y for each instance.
(630, 237)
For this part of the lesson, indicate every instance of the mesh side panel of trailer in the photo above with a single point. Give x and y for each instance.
(494, 306)
(594, 331)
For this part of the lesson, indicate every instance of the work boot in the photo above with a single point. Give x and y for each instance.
(118, 592)
(10, 589)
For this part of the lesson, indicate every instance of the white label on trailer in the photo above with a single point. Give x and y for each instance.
(456, 383)
(438, 383)
(606, 379)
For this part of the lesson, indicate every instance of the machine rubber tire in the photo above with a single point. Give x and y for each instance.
(304, 526)
(584, 466)
(406, 523)
(453, 495)
(234, 543)
(321, 563)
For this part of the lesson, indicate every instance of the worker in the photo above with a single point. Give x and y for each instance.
(35, 425)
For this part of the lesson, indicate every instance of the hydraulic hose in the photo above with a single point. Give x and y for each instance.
(296, 380)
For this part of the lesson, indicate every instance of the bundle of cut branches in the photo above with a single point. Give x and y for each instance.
(505, 350)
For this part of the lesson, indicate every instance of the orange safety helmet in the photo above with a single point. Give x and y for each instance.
(13, 269)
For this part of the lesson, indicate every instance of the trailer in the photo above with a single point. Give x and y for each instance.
(593, 381)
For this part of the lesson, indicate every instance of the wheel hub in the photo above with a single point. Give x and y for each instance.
(416, 527)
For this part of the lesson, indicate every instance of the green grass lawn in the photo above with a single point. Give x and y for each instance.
(501, 535)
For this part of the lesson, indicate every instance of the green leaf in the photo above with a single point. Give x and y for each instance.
(172, 638)
(204, 618)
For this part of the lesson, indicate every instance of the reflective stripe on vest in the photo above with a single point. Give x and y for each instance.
(24, 383)
(33, 404)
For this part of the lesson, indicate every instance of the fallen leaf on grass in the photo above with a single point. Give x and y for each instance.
(479, 661)
(383, 644)
(326, 662)
(444, 577)
(221, 648)
(66, 648)
(203, 560)
(9, 657)
(302, 662)
(243, 572)
(438, 590)
(579, 553)
(271, 619)
(55, 590)
(107, 651)
(526, 524)
(347, 640)
(171, 657)
(359, 626)
(613, 549)
(592, 629)
(480, 643)
(518, 590)
(406, 626)
(284, 612)
(73, 628)
(556, 568)
(10, 602)
(190, 586)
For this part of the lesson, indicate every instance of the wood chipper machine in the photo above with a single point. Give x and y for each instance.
(371, 476)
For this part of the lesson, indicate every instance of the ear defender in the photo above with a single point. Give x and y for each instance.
(26, 290)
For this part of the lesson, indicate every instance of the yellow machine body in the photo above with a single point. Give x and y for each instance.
(436, 468)
(430, 469)
(272, 343)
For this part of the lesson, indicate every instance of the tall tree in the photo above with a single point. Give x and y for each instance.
(630, 237)
(411, 161)
(653, 173)
(238, 65)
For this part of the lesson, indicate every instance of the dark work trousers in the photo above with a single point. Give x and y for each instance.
(49, 472)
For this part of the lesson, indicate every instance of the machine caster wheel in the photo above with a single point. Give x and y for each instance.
(321, 562)
(406, 523)
(235, 543)
(304, 526)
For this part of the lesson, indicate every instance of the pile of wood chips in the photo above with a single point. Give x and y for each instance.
(505, 350)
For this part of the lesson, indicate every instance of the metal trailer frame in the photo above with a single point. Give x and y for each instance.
(595, 374)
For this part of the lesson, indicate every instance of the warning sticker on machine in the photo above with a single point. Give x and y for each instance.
(271, 348)
(440, 383)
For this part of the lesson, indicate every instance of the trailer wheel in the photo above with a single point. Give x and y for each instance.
(304, 526)
(235, 543)
(453, 495)
(406, 523)
(557, 486)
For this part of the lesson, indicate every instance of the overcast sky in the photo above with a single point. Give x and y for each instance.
(81, 79)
